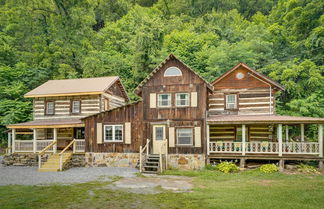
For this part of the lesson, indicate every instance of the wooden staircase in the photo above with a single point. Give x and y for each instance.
(152, 164)
(53, 162)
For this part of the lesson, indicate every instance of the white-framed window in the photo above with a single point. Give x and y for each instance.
(50, 108)
(164, 100)
(182, 99)
(231, 101)
(76, 107)
(184, 136)
(172, 71)
(113, 133)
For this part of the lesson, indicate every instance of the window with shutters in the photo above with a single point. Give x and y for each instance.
(231, 101)
(76, 107)
(113, 133)
(182, 99)
(164, 100)
(184, 136)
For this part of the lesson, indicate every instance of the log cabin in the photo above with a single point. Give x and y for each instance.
(182, 121)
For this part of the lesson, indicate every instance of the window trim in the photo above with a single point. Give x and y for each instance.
(113, 133)
(176, 100)
(46, 108)
(158, 100)
(236, 101)
(154, 131)
(192, 136)
(165, 72)
(71, 109)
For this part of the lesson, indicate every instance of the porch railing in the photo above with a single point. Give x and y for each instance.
(23, 146)
(265, 147)
(41, 144)
(79, 145)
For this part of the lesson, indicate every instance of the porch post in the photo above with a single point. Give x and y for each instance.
(55, 139)
(13, 140)
(207, 133)
(287, 133)
(279, 135)
(243, 139)
(320, 139)
(302, 135)
(34, 140)
(9, 143)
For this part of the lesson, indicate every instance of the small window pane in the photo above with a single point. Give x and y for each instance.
(159, 132)
(109, 133)
(118, 133)
(76, 107)
(182, 99)
(173, 71)
(184, 136)
(164, 100)
(231, 101)
(50, 108)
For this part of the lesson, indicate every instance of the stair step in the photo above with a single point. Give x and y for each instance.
(153, 172)
(48, 169)
(151, 163)
(150, 166)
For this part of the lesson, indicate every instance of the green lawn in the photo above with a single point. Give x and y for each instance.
(250, 189)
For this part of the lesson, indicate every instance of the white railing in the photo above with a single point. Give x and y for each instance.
(225, 147)
(142, 150)
(41, 144)
(300, 148)
(23, 146)
(79, 145)
(265, 147)
(163, 151)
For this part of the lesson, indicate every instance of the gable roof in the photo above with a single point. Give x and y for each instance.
(261, 76)
(70, 87)
(171, 56)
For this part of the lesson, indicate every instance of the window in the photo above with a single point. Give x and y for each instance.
(49, 133)
(164, 100)
(239, 134)
(113, 133)
(231, 101)
(49, 108)
(159, 133)
(76, 107)
(79, 133)
(182, 99)
(172, 71)
(184, 136)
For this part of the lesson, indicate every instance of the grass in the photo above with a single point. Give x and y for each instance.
(212, 189)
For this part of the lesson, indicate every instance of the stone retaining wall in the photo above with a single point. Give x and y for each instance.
(22, 159)
(186, 161)
(78, 160)
(111, 159)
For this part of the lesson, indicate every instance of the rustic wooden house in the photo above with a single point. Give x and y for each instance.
(182, 121)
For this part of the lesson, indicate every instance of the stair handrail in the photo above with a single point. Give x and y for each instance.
(43, 152)
(142, 149)
(62, 152)
(164, 145)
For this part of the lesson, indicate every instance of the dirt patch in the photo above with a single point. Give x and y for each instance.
(153, 184)
(265, 182)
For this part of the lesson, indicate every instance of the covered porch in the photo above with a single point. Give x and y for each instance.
(35, 136)
(264, 136)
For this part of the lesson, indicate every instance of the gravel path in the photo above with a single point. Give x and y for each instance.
(30, 175)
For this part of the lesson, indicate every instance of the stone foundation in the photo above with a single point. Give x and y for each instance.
(22, 159)
(111, 159)
(186, 161)
(78, 160)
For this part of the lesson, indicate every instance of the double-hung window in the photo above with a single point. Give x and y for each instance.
(182, 99)
(50, 108)
(76, 107)
(184, 136)
(231, 101)
(164, 100)
(113, 133)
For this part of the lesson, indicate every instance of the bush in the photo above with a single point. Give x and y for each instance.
(227, 167)
(210, 167)
(269, 168)
(304, 168)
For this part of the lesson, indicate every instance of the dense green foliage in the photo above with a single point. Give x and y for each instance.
(269, 168)
(41, 40)
(227, 167)
(304, 168)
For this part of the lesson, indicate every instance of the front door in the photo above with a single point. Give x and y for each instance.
(158, 138)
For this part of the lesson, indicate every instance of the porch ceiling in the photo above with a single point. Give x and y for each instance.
(262, 119)
(53, 123)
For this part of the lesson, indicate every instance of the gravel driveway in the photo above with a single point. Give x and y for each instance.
(30, 176)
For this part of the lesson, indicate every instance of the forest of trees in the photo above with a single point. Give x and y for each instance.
(42, 40)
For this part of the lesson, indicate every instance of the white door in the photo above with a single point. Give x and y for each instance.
(158, 139)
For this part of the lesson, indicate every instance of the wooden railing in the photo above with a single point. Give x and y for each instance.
(163, 150)
(41, 144)
(265, 147)
(79, 145)
(62, 152)
(142, 150)
(43, 152)
(24, 145)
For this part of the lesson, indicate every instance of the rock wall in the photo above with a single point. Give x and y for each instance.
(22, 159)
(186, 161)
(78, 160)
(111, 159)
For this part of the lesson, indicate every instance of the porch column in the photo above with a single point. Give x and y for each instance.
(320, 139)
(302, 135)
(243, 139)
(55, 139)
(34, 140)
(207, 133)
(279, 136)
(287, 133)
(9, 143)
(13, 140)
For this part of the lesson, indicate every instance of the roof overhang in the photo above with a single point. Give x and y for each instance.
(55, 123)
(63, 94)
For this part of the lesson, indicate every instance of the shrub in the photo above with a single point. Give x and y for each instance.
(304, 168)
(227, 167)
(210, 167)
(269, 168)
